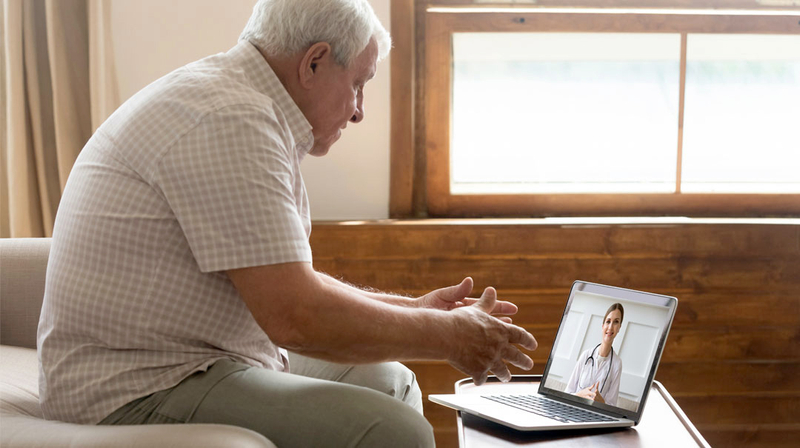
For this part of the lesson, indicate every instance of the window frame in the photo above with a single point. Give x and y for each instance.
(431, 175)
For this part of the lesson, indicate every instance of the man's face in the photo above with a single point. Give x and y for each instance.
(339, 98)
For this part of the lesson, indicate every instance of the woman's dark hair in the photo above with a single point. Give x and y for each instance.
(616, 306)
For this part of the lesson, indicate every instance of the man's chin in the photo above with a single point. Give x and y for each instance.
(318, 151)
(321, 148)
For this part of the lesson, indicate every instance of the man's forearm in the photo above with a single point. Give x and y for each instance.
(392, 299)
(318, 316)
(355, 326)
(314, 315)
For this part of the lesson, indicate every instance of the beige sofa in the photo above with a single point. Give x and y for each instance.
(23, 262)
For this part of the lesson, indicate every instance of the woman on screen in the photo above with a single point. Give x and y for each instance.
(597, 373)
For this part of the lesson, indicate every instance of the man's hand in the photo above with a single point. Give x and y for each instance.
(453, 297)
(482, 343)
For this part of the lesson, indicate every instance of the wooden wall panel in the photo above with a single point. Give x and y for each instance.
(732, 360)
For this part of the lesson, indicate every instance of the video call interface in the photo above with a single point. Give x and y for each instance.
(605, 349)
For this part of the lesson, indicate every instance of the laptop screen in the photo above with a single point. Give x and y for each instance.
(608, 346)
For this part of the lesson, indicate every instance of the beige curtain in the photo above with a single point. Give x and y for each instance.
(58, 85)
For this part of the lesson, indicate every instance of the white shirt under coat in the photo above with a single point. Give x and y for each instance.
(608, 388)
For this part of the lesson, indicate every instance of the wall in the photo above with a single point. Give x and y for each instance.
(153, 37)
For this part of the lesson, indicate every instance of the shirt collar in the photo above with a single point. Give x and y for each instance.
(264, 79)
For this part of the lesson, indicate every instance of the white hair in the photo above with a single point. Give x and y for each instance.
(287, 27)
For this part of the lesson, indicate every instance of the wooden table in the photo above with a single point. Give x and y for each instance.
(663, 424)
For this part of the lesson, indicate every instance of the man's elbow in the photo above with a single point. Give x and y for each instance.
(279, 298)
(288, 330)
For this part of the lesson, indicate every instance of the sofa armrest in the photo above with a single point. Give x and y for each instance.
(23, 264)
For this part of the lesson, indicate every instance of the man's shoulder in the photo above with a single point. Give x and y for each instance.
(173, 105)
(223, 80)
(204, 87)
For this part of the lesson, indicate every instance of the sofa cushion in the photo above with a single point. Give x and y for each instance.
(21, 423)
(19, 385)
(20, 431)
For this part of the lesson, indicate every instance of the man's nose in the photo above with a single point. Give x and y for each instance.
(358, 115)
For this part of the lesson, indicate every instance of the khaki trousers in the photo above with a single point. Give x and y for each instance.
(319, 404)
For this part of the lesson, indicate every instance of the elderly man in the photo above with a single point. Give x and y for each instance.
(180, 287)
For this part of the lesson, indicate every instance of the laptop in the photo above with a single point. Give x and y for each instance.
(634, 323)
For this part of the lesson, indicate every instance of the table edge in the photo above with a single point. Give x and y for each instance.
(701, 441)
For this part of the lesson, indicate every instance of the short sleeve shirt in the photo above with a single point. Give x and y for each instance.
(196, 174)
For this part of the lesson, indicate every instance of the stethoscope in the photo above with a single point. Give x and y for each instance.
(591, 377)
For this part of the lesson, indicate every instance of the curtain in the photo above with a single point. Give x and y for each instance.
(58, 85)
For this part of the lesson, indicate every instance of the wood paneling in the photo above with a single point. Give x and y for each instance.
(773, 436)
(732, 360)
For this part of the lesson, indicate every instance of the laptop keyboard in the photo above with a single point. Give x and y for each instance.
(549, 408)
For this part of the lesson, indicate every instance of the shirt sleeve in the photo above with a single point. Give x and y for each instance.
(230, 181)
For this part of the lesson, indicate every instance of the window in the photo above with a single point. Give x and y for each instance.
(564, 113)
(546, 111)
(742, 114)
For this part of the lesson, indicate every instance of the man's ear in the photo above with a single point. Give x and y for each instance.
(316, 57)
